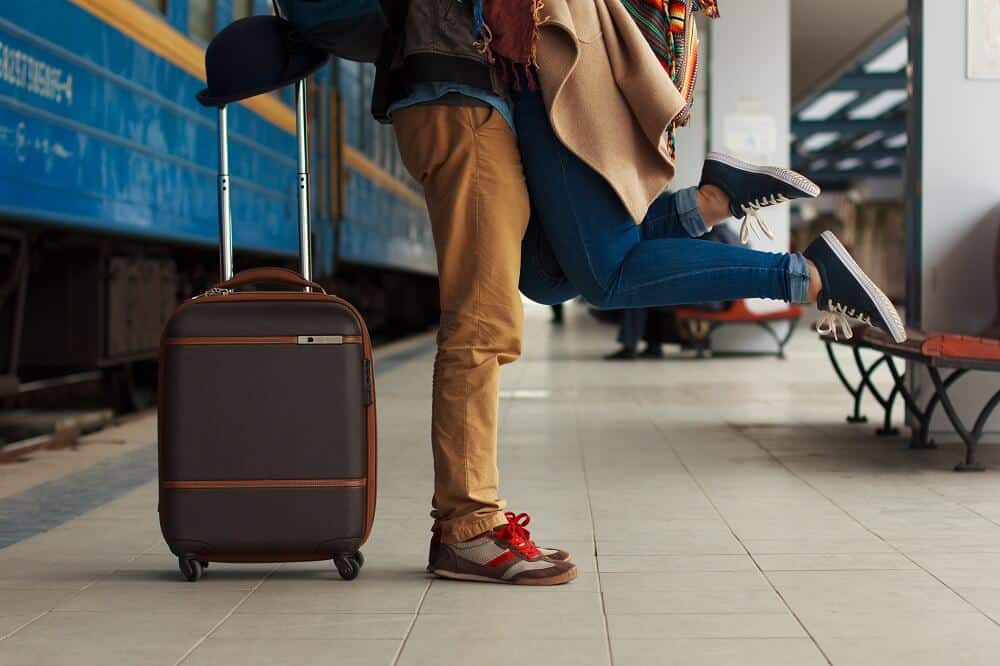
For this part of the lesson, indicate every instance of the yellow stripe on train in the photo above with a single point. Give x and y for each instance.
(161, 38)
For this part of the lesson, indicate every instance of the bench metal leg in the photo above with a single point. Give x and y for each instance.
(969, 438)
(856, 391)
(921, 434)
(886, 402)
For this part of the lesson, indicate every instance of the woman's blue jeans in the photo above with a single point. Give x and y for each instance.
(582, 241)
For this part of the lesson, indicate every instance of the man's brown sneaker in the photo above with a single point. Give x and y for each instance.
(522, 520)
(504, 555)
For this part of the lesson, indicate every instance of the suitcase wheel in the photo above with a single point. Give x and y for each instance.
(349, 566)
(191, 568)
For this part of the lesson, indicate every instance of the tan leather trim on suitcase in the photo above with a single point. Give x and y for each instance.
(372, 465)
(255, 340)
(265, 483)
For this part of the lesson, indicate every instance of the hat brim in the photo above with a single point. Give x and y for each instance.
(205, 98)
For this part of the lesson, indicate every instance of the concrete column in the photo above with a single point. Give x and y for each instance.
(954, 184)
(749, 77)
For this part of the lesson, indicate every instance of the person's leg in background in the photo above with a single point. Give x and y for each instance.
(467, 161)
(631, 329)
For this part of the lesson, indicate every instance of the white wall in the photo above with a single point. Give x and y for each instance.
(961, 186)
(749, 82)
(692, 139)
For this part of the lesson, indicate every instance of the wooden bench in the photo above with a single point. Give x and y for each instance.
(937, 352)
(698, 325)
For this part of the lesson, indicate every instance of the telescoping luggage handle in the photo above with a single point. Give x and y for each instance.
(225, 213)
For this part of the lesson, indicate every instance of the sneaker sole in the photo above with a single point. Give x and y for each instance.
(885, 307)
(786, 176)
(561, 579)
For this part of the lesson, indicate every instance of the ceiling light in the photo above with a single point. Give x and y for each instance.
(819, 165)
(897, 141)
(877, 105)
(868, 139)
(828, 104)
(892, 59)
(849, 163)
(885, 162)
(818, 141)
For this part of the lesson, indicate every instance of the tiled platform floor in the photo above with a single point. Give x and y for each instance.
(735, 517)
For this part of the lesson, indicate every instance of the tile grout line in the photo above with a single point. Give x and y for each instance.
(225, 617)
(593, 529)
(413, 622)
(729, 526)
(875, 534)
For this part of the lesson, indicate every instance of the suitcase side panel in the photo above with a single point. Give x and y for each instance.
(302, 521)
(263, 411)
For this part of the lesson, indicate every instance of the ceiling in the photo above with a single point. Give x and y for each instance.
(827, 35)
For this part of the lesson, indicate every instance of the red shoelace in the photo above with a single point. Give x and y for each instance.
(515, 533)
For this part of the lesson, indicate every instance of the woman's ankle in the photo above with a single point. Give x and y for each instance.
(713, 205)
(815, 282)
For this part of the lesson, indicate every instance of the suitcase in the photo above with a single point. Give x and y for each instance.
(267, 442)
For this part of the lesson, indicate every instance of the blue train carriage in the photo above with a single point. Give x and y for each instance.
(107, 187)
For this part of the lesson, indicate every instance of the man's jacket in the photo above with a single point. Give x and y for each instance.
(429, 41)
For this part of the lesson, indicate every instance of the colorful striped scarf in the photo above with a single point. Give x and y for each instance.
(670, 30)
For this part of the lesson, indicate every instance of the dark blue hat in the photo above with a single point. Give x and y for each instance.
(255, 55)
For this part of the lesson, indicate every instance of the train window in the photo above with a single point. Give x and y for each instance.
(201, 19)
(158, 5)
(242, 8)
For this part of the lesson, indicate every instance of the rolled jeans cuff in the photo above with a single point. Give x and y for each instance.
(798, 279)
(686, 201)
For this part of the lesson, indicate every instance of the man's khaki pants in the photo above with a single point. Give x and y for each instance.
(467, 160)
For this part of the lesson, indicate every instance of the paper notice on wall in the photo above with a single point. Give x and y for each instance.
(983, 37)
(750, 134)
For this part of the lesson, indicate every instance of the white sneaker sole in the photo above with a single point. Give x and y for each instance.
(885, 307)
(796, 180)
(561, 579)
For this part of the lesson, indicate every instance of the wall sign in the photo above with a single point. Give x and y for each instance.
(983, 37)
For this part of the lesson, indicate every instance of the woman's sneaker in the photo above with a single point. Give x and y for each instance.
(848, 293)
(751, 187)
(504, 555)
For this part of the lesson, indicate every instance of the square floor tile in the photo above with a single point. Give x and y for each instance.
(717, 652)
(701, 625)
(140, 597)
(493, 624)
(487, 652)
(299, 626)
(847, 591)
(834, 562)
(81, 637)
(272, 651)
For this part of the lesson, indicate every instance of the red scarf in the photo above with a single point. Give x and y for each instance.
(510, 37)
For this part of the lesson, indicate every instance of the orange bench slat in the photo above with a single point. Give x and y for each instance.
(739, 312)
(961, 346)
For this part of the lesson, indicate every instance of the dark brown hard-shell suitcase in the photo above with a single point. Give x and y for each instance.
(267, 413)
